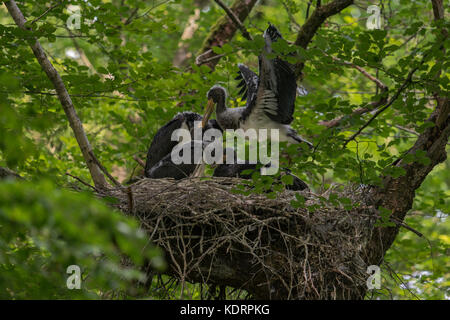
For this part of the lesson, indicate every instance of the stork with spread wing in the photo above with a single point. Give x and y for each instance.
(270, 96)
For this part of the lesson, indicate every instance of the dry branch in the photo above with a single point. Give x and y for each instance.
(63, 96)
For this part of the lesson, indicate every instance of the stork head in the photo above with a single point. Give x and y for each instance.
(216, 96)
(270, 36)
(272, 33)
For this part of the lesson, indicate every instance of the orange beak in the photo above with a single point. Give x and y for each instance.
(208, 112)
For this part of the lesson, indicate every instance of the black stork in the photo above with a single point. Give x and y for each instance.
(159, 163)
(270, 96)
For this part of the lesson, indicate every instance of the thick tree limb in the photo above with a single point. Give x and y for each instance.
(398, 194)
(310, 27)
(222, 32)
(64, 98)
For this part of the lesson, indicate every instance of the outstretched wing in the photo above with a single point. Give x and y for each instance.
(249, 83)
(277, 88)
(286, 91)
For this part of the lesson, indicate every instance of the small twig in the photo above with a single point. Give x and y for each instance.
(130, 18)
(45, 13)
(374, 105)
(377, 81)
(235, 20)
(139, 161)
(110, 177)
(83, 182)
(391, 101)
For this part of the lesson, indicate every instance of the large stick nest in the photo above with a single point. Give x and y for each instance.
(212, 235)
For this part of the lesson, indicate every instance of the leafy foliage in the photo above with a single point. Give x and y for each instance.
(44, 230)
(118, 69)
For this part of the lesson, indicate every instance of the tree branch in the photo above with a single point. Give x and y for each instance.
(7, 173)
(235, 20)
(222, 32)
(374, 105)
(310, 27)
(45, 13)
(64, 98)
(391, 101)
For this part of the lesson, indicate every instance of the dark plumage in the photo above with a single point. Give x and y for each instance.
(159, 161)
(165, 168)
(162, 145)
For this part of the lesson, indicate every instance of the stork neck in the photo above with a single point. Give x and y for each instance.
(221, 106)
